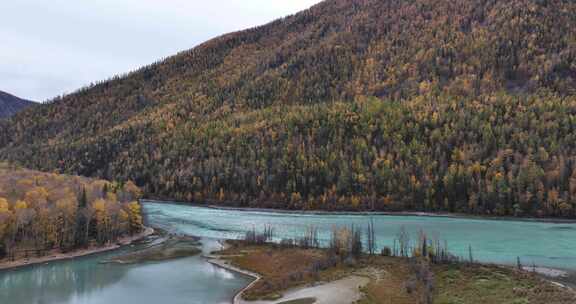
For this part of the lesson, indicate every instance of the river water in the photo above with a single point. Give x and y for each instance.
(194, 281)
(545, 244)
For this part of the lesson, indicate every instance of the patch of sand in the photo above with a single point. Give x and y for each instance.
(343, 291)
(549, 272)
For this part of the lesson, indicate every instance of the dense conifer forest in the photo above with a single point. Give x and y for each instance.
(45, 212)
(449, 105)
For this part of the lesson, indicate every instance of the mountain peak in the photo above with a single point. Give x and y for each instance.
(10, 104)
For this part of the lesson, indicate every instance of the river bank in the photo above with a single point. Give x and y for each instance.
(219, 262)
(342, 291)
(124, 241)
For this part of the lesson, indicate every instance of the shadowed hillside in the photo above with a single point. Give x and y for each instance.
(462, 106)
(10, 105)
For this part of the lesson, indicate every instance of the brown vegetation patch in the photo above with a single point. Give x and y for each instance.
(478, 284)
(388, 282)
(280, 268)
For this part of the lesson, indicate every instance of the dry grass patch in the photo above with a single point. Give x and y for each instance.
(478, 284)
(388, 281)
(280, 268)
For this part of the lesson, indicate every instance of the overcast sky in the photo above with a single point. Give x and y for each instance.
(51, 47)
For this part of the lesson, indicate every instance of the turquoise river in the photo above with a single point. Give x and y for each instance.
(194, 281)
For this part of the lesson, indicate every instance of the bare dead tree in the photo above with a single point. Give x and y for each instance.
(371, 237)
(403, 242)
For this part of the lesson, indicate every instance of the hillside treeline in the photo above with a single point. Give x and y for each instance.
(44, 212)
(498, 155)
(472, 112)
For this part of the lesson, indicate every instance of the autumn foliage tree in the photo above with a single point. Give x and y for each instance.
(42, 212)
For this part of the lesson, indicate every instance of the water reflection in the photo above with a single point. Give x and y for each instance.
(85, 281)
(58, 282)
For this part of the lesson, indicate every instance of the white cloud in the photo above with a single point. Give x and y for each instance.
(57, 46)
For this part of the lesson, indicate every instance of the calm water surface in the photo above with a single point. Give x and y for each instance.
(85, 281)
(193, 281)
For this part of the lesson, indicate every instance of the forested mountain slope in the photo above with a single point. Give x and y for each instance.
(10, 104)
(455, 105)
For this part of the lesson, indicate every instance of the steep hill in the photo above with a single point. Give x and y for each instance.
(10, 104)
(450, 105)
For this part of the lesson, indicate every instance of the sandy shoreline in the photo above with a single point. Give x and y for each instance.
(237, 299)
(558, 277)
(342, 291)
(7, 265)
(548, 272)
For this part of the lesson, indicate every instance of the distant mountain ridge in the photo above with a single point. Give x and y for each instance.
(434, 105)
(10, 104)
